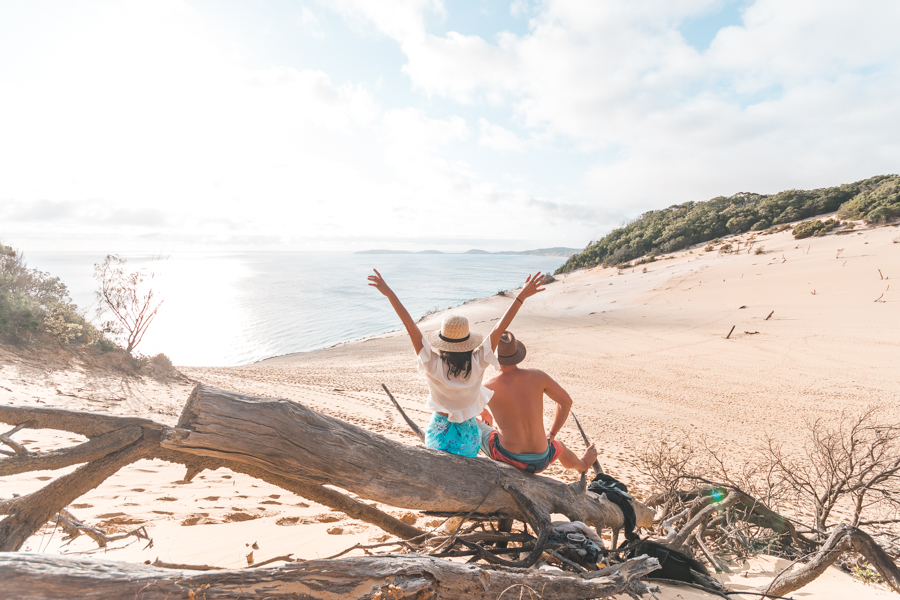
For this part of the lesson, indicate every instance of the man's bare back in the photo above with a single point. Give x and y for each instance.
(518, 410)
(518, 407)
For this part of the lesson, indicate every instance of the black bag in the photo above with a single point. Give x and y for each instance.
(673, 564)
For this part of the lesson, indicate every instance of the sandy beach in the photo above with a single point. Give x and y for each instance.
(643, 353)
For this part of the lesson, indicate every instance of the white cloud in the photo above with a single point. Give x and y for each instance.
(800, 94)
(399, 19)
(497, 138)
(310, 22)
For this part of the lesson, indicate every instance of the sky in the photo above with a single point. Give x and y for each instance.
(170, 125)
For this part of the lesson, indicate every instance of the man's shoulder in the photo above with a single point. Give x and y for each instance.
(520, 373)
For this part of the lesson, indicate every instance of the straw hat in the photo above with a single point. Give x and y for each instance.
(454, 335)
(510, 351)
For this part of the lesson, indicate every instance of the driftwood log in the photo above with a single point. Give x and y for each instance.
(292, 447)
(406, 577)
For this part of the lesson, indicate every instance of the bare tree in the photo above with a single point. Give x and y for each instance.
(128, 296)
(853, 463)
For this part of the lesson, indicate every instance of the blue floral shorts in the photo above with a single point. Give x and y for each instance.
(456, 438)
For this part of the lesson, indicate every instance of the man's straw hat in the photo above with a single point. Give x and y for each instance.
(454, 335)
(510, 351)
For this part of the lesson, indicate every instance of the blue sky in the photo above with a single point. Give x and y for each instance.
(347, 124)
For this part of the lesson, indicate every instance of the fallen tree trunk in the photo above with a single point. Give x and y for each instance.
(292, 441)
(292, 447)
(407, 577)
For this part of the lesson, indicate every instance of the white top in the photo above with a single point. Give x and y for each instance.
(461, 399)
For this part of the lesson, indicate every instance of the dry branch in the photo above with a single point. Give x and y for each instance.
(90, 450)
(842, 539)
(410, 422)
(27, 514)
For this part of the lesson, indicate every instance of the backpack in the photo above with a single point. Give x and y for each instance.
(673, 564)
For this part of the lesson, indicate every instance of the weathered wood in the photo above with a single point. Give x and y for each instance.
(291, 441)
(842, 539)
(88, 424)
(73, 528)
(407, 577)
(6, 438)
(701, 517)
(596, 464)
(412, 424)
(27, 514)
(292, 447)
(94, 448)
(108, 439)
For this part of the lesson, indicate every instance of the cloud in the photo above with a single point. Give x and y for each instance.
(311, 24)
(799, 94)
(496, 137)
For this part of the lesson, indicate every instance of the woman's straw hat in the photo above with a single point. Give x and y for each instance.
(454, 335)
(510, 351)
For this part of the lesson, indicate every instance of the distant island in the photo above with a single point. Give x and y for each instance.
(558, 251)
(398, 252)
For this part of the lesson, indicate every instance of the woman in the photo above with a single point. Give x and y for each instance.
(454, 360)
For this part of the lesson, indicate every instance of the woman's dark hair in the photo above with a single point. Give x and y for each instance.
(457, 363)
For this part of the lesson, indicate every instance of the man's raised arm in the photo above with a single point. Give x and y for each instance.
(532, 286)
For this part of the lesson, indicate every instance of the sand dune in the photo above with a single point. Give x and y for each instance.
(643, 354)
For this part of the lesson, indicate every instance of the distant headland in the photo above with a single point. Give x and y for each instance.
(558, 251)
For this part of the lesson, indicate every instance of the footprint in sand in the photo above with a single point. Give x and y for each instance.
(287, 521)
(327, 518)
(211, 498)
(236, 517)
(167, 499)
(271, 502)
(195, 519)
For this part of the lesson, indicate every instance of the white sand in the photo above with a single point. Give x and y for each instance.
(643, 355)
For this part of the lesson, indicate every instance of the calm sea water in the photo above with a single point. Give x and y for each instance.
(225, 309)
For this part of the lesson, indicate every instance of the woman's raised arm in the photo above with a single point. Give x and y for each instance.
(415, 335)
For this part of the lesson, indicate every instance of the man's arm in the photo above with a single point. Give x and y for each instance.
(415, 335)
(532, 286)
(563, 404)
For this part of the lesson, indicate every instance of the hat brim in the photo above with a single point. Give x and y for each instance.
(435, 341)
(516, 358)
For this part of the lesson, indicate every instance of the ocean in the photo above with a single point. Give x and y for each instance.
(228, 309)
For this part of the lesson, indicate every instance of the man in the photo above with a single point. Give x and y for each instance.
(517, 407)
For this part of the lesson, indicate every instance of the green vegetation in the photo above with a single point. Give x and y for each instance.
(35, 307)
(875, 200)
(814, 227)
(876, 205)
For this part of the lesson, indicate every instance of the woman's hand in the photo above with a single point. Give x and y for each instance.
(377, 282)
(532, 286)
(415, 335)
